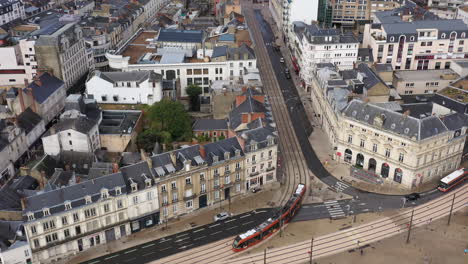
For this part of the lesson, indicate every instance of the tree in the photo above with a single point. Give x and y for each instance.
(194, 92)
(170, 117)
(146, 140)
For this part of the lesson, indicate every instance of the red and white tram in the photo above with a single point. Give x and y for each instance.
(273, 224)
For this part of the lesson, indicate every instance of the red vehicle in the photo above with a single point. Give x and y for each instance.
(273, 224)
(453, 179)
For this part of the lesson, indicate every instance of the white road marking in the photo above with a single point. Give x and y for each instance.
(365, 210)
(214, 225)
(97, 261)
(186, 234)
(230, 220)
(199, 238)
(258, 212)
(182, 239)
(182, 247)
(147, 254)
(330, 202)
(244, 216)
(305, 206)
(165, 240)
(215, 233)
(198, 230)
(128, 260)
(247, 223)
(130, 251)
(362, 204)
(165, 249)
(111, 257)
(149, 245)
(231, 228)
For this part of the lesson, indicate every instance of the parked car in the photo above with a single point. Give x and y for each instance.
(255, 189)
(412, 196)
(287, 74)
(282, 60)
(221, 216)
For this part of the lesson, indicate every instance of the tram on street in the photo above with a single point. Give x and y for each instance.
(273, 224)
(453, 179)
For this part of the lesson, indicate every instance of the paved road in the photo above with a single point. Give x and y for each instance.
(195, 237)
(303, 128)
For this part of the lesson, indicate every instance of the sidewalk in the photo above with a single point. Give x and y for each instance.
(265, 198)
(320, 142)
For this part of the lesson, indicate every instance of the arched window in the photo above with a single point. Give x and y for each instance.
(442, 36)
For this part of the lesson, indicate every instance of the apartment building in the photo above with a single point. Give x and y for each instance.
(416, 45)
(423, 82)
(399, 147)
(141, 87)
(198, 176)
(11, 10)
(446, 9)
(276, 10)
(462, 13)
(183, 55)
(406, 150)
(64, 221)
(313, 45)
(345, 12)
(13, 144)
(60, 48)
(305, 11)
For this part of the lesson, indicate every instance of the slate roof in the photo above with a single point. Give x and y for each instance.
(259, 136)
(218, 148)
(178, 35)
(364, 53)
(81, 124)
(137, 173)
(24, 182)
(455, 121)
(418, 110)
(54, 199)
(129, 158)
(219, 51)
(209, 124)
(383, 67)
(250, 105)
(163, 164)
(241, 51)
(370, 78)
(394, 122)
(49, 85)
(28, 120)
(10, 199)
(134, 76)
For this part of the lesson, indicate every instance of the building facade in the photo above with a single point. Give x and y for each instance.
(423, 82)
(141, 87)
(76, 218)
(416, 45)
(11, 10)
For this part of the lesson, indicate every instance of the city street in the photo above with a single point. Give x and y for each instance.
(186, 240)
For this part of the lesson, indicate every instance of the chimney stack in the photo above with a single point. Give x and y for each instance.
(202, 151)
(43, 180)
(115, 167)
(23, 203)
(31, 97)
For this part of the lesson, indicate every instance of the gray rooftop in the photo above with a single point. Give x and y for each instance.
(209, 124)
(394, 122)
(178, 35)
(133, 76)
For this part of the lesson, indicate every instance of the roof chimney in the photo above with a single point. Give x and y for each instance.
(115, 167)
(43, 180)
(202, 151)
(173, 157)
(37, 81)
(23, 203)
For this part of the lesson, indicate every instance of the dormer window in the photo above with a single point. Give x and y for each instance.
(271, 141)
(118, 191)
(253, 146)
(237, 153)
(134, 187)
(148, 183)
(215, 158)
(68, 205)
(30, 216)
(88, 199)
(46, 211)
(226, 155)
(104, 194)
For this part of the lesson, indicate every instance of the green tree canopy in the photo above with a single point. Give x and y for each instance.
(194, 91)
(169, 116)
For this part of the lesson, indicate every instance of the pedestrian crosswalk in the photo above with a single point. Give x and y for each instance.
(334, 209)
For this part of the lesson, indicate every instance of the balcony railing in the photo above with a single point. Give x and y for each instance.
(191, 197)
(254, 173)
(238, 168)
(270, 168)
(227, 172)
(175, 200)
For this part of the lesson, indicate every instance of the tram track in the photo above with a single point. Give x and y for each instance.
(294, 163)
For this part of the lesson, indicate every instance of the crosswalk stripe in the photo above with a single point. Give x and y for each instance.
(330, 202)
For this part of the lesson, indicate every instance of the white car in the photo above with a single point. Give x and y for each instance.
(282, 60)
(221, 216)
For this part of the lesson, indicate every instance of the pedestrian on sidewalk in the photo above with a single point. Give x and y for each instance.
(362, 252)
